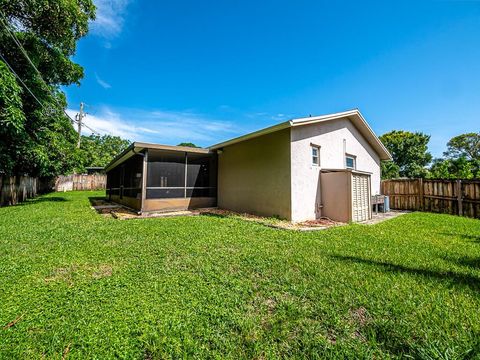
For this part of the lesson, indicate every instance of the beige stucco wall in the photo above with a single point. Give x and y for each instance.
(305, 180)
(254, 176)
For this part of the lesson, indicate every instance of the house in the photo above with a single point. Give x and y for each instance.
(298, 170)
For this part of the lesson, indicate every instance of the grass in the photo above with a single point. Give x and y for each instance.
(76, 285)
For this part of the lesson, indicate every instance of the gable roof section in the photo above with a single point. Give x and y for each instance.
(353, 115)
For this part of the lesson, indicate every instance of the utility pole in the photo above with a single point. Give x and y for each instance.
(79, 118)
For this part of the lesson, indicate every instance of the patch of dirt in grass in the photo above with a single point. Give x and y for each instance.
(319, 224)
(322, 222)
(360, 319)
(103, 271)
(271, 304)
(331, 338)
(75, 272)
(359, 316)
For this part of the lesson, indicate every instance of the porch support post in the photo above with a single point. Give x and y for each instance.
(144, 180)
(186, 169)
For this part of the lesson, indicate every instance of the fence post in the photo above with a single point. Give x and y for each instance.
(459, 197)
(420, 193)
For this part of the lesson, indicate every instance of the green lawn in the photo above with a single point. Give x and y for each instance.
(83, 286)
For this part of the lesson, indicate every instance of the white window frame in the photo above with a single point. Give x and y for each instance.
(354, 158)
(315, 147)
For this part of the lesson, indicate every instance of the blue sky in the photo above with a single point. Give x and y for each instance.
(206, 71)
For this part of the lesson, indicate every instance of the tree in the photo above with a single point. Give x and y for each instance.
(188, 144)
(36, 137)
(460, 168)
(409, 152)
(465, 145)
(99, 150)
(462, 158)
(389, 170)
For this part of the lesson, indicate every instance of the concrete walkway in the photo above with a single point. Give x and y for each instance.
(378, 218)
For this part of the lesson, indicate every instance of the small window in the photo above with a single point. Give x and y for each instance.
(315, 155)
(350, 162)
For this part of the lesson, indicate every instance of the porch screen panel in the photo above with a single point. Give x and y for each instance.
(201, 175)
(166, 175)
(132, 177)
(113, 181)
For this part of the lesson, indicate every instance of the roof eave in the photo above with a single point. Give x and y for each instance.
(137, 147)
(271, 129)
(381, 150)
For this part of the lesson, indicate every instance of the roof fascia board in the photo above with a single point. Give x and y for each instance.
(137, 147)
(378, 145)
(252, 135)
(172, 148)
(124, 155)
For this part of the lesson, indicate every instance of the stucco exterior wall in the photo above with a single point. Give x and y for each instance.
(254, 176)
(330, 136)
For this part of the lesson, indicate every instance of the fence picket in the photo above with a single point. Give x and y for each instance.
(460, 196)
(16, 189)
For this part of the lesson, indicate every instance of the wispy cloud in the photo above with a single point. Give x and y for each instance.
(160, 126)
(102, 82)
(110, 18)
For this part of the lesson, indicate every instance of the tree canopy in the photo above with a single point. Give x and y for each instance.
(188, 144)
(461, 160)
(465, 145)
(99, 150)
(36, 137)
(409, 152)
(459, 168)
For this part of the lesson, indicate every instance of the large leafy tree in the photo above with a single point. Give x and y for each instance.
(36, 137)
(99, 150)
(409, 152)
(465, 145)
(460, 168)
(462, 158)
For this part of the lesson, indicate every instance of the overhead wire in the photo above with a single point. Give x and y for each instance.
(24, 52)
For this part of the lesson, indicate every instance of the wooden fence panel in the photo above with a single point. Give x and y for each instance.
(15, 189)
(457, 197)
(403, 194)
(81, 182)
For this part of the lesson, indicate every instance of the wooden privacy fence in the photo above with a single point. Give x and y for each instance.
(15, 189)
(81, 182)
(457, 197)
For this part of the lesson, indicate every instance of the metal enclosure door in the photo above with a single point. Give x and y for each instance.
(360, 198)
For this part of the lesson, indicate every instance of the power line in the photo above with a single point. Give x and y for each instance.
(36, 98)
(22, 49)
(75, 121)
(21, 81)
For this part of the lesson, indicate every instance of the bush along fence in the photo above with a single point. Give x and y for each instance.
(457, 197)
(15, 189)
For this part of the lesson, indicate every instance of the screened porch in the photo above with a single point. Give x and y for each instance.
(163, 178)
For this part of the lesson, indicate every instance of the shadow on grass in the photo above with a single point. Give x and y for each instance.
(211, 214)
(470, 281)
(98, 200)
(42, 200)
(471, 262)
(474, 238)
